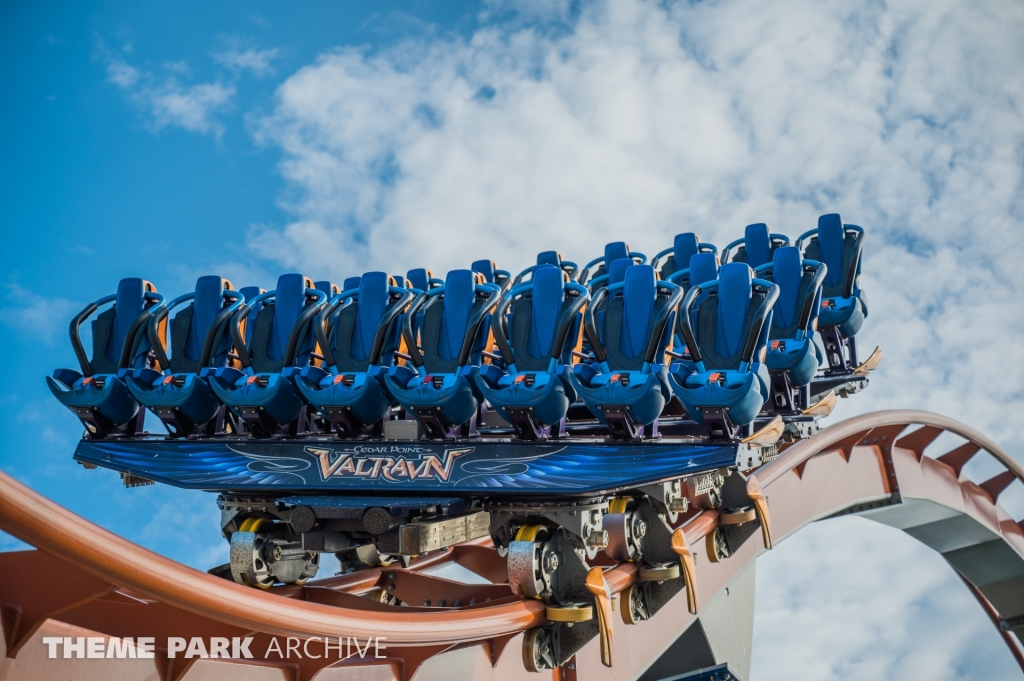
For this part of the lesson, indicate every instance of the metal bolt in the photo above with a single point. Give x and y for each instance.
(551, 562)
(391, 587)
(391, 575)
(640, 528)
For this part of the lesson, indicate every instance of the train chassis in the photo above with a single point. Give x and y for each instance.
(554, 550)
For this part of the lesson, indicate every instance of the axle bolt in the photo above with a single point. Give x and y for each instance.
(639, 528)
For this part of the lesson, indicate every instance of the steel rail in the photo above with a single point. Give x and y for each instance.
(844, 430)
(52, 528)
(856, 430)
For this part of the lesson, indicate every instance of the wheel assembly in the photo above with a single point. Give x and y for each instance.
(262, 555)
(717, 546)
(632, 606)
(538, 651)
(531, 562)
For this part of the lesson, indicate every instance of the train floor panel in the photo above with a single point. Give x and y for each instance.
(475, 467)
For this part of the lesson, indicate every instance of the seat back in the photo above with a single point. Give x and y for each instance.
(273, 326)
(330, 288)
(357, 323)
(702, 267)
(757, 246)
(249, 293)
(730, 318)
(190, 326)
(839, 247)
(535, 318)
(446, 316)
(486, 268)
(419, 279)
(491, 273)
(617, 270)
(616, 250)
(629, 319)
(550, 258)
(111, 328)
(799, 293)
(684, 247)
(547, 259)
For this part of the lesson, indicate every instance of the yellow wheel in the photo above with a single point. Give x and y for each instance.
(716, 547)
(632, 606)
(532, 533)
(619, 504)
(537, 651)
(251, 524)
(570, 613)
(738, 518)
(660, 573)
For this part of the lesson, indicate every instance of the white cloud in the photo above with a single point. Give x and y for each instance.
(237, 57)
(817, 617)
(121, 74)
(645, 121)
(42, 319)
(166, 102)
(192, 108)
(648, 119)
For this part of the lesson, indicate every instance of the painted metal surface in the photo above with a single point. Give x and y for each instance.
(491, 468)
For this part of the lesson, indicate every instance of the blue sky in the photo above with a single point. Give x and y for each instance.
(96, 188)
(174, 140)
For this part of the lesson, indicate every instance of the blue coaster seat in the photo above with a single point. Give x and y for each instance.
(422, 280)
(281, 344)
(791, 346)
(839, 247)
(180, 396)
(843, 306)
(349, 389)
(533, 391)
(725, 325)
(98, 395)
(757, 246)
(249, 294)
(684, 247)
(493, 275)
(702, 267)
(629, 327)
(446, 353)
(331, 289)
(617, 250)
(548, 258)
